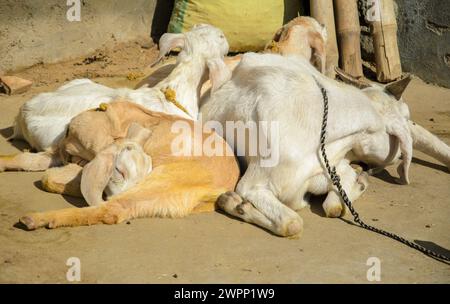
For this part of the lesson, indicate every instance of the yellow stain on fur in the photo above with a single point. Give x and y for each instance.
(171, 96)
(103, 107)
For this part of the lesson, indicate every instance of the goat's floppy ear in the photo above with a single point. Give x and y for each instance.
(219, 73)
(138, 133)
(403, 135)
(349, 79)
(397, 88)
(168, 42)
(96, 175)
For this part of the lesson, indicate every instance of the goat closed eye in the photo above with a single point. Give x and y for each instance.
(121, 173)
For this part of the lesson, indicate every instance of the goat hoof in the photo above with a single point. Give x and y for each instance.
(240, 209)
(293, 228)
(334, 210)
(228, 200)
(363, 181)
(28, 221)
(245, 205)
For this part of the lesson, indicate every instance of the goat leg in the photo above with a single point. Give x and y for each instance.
(63, 180)
(354, 184)
(29, 161)
(171, 195)
(109, 213)
(429, 144)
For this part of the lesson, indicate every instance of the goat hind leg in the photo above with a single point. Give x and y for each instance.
(426, 142)
(29, 161)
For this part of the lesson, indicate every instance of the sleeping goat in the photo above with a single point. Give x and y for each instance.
(133, 161)
(43, 120)
(370, 125)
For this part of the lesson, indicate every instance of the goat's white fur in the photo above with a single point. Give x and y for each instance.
(43, 120)
(367, 125)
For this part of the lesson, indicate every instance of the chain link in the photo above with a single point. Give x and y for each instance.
(335, 179)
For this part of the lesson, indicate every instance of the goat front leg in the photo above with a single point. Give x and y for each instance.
(258, 205)
(354, 185)
(29, 161)
(262, 208)
(169, 191)
(429, 144)
(233, 204)
(63, 180)
(108, 213)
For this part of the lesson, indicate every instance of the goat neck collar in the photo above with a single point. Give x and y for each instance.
(171, 96)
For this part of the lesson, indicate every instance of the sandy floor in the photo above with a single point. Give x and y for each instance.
(215, 248)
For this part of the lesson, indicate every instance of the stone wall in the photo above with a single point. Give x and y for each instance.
(34, 31)
(424, 39)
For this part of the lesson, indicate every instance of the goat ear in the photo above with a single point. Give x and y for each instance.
(349, 79)
(138, 133)
(324, 32)
(397, 88)
(168, 42)
(403, 135)
(219, 73)
(96, 175)
(276, 37)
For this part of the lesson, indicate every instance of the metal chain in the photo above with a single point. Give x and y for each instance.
(337, 183)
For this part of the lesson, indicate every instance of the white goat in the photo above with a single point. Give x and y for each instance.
(303, 37)
(43, 120)
(368, 125)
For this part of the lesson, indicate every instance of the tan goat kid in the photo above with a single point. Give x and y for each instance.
(302, 37)
(125, 141)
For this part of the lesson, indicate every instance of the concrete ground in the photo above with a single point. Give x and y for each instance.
(214, 248)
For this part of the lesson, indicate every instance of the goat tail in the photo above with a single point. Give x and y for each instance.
(429, 144)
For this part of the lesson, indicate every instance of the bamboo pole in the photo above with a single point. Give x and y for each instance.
(348, 33)
(383, 26)
(322, 11)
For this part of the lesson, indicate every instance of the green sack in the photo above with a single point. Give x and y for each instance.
(247, 24)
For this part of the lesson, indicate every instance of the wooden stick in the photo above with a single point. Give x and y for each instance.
(383, 26)
(348, 32)
(322, 11)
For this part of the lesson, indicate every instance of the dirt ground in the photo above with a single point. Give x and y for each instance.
(213, 248)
